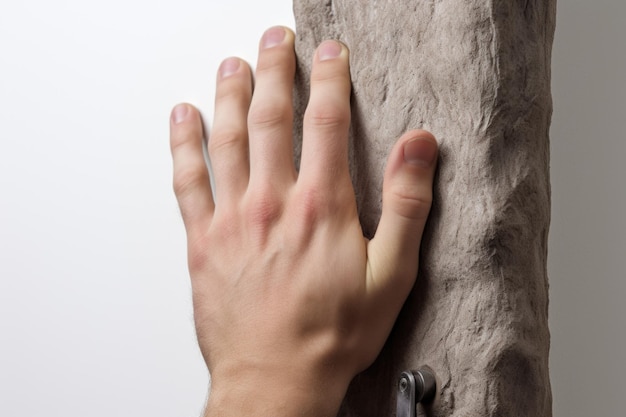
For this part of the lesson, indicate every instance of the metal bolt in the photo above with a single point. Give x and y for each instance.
(414, 386)
(425, 384)
(404, 384)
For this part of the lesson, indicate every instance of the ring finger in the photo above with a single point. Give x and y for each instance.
(228, 141)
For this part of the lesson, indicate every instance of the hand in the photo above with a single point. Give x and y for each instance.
(290, 300)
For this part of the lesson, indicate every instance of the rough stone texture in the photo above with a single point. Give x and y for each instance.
(477, 74)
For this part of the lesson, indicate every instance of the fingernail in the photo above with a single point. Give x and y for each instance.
(273, 37)
(420, 151)
(180, 113)
(329, 50)
(229, 67)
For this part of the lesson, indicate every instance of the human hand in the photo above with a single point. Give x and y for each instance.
(290, 300)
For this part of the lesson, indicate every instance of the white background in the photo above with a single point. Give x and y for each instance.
(95, 309)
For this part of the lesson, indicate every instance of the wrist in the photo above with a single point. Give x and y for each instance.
(287, 394)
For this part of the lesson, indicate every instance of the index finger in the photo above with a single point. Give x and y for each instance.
(327, 117)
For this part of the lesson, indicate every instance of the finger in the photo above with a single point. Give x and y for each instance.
(228, 141)
(407, 196)
(271, 114)
(191, 176)
(327, 117)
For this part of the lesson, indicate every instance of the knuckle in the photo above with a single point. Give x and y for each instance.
(226, 225)
(188, 179)
(262, 210)
(181, 138)
(268, 115)
(197, 254)
(309, 206)
(313, 205)
(410, 204)
(330, 73)
(329, 115)
(274, 60)
(231, 91)
(224, 140)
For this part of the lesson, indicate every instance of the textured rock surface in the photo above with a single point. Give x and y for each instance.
(477, 74)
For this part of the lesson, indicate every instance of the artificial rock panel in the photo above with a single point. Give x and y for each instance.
(476, 73)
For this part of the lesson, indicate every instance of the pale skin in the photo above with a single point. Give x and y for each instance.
(290, 300)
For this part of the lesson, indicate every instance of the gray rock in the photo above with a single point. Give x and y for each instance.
(476, 73)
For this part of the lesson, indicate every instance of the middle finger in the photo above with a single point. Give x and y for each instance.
(270, 119)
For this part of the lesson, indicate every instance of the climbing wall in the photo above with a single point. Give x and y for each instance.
(476, 73)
